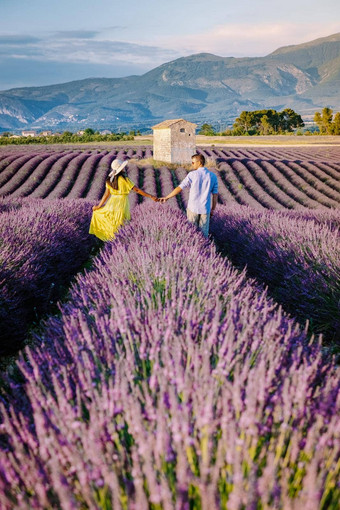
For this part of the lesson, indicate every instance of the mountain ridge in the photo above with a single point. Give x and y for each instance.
(200, 87)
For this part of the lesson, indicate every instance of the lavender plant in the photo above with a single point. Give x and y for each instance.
(31, 181)
(297, 254)
(43, 244)
(54, 175)
(170, 381)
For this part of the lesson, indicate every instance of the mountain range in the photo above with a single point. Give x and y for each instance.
(200, 88)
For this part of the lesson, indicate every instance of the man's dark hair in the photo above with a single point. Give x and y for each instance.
(200, 158)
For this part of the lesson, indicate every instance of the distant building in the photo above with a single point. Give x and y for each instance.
(46, 133)
(174, 141)
(29, 133)
(81, 132)
(106, 132)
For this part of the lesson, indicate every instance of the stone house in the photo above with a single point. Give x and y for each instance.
(174, 141)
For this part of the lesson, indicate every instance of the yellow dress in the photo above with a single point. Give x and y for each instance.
(107, 220)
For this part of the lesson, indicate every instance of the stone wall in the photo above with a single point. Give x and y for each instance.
(162, 144)
(175, 144)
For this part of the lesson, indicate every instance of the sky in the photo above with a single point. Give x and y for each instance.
(57, 41)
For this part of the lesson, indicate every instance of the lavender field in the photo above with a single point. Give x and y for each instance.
(179, 372)
(274, 178)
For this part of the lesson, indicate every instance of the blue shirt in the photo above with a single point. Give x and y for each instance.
(202, 183)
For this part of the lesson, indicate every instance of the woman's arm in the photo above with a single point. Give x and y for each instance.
(144, 194)
(103, 200)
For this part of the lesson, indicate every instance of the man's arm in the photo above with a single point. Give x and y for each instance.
(213, 203)
(172, 194)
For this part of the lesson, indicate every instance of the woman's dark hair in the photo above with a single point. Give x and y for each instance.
(114, 183)
(200, 158)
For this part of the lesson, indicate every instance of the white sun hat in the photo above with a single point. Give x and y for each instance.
(117, 166)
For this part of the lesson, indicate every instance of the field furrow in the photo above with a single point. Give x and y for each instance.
(102, 171)
(231, 174)
(14, 166)
(313, 198)
(282, 199)
(54, 175)
(313, 179)
(33, 180)
(273, 177)
(86, 173)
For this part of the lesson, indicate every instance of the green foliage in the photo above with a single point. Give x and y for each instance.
(89, 135)
(89, 131)
(327, 124)
(207, 130)
(267, 122)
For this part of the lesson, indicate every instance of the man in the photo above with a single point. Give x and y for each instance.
(203, 193)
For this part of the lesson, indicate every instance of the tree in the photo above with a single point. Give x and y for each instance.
(207, 130)
(267, 122)
(324, 121)
(245, 121)
(89, 131)
(265, 127)
(290, 120)
(336, 124)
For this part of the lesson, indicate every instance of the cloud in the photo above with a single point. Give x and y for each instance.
(83, 47)
(64, 56)
(17, 40)
(249, 39)
(76, 34)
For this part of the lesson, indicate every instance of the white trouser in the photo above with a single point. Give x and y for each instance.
(200, 220)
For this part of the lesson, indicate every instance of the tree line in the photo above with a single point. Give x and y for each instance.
(260, 122)
(272, 122)
(89, 135)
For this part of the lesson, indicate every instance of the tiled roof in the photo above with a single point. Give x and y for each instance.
(167, 123)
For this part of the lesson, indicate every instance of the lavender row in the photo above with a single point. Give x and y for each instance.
(328, 188)
(86, 176)
(326, 194)
(97, 186)
(253, 181)
(329, 154)
(296, 254)
(170, 381)
(12, 168)
(32, 181)
(53, 176)
(43, 244)
(68, 178)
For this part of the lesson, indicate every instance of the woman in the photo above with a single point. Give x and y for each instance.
(106, 219)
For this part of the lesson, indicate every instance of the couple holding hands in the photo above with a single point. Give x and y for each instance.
(114, 208)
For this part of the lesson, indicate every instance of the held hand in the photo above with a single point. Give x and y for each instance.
(155, 199)
(163, 200)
